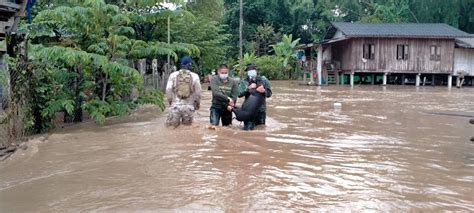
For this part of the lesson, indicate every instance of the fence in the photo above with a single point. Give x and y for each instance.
(154, 75)
(17, 105)
(3, 104)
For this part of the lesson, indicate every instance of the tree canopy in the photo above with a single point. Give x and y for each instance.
(309, 19)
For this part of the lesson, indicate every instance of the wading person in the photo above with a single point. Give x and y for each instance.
(224, 93)
(209, 78)
(183, 93)
(255, 84)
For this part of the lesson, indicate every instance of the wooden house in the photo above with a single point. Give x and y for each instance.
(464, 61)
(388, 53)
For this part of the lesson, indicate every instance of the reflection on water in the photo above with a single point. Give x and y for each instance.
(382, 150)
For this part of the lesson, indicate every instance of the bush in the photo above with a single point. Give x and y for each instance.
(271, 67)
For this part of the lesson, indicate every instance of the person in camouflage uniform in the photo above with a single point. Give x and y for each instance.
(224, 93)
(261, 85)
(183, 93)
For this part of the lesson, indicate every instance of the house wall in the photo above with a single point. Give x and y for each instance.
(341, 52)
(350, 52)
(464, 60)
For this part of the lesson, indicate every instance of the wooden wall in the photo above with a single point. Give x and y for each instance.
(349, 53)
(464, 60)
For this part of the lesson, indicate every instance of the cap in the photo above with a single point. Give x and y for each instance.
(250, 66)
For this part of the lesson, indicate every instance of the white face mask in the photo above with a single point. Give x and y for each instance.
(252, 73)
(223, 76)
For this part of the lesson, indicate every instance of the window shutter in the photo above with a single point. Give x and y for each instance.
(365, 50)
(398, 52)
(405, 52)
(438, 53)
(372, 51)
(432, 52)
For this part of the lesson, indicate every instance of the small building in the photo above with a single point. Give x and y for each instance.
(9, 10)
(384, 53)
(464, 61)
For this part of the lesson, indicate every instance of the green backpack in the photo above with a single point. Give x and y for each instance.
(183, 85)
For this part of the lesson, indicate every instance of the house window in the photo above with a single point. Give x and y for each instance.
(368, 51)
(402, 52)
(435, 53)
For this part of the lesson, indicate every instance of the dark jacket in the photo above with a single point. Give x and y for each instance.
(260, 80)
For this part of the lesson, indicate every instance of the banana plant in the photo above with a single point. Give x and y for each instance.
(285, 51)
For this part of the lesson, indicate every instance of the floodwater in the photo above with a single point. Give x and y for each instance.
(383, 150)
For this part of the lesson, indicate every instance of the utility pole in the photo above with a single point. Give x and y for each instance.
(240, 38)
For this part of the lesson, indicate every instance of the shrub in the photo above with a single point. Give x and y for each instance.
(271, 67)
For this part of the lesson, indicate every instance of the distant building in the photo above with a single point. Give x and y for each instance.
(464, 59)
(392, 53)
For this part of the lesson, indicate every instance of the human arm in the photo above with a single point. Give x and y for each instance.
(266, 87)
(197, 91)
(169, 88)
(234, 93)
(242, 88)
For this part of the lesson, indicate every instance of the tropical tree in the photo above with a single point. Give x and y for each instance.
(77, 60)
(285, 51)
(264, 36)
(208, 36)
(247, 58)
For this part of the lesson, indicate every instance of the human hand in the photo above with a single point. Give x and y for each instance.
(231, 102)
(261, 89)
(252, 86)
(229, 108)
(197, 105)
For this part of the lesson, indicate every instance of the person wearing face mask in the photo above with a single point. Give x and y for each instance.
(262, 86)
(224, 93)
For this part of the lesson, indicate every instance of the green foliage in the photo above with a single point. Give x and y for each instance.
(79, 62)
(264, 36)
(209, 9)
(271, 67)
(152, 97)
(309, 19)
(98, 109)
(394, 12)
(285, 51)
(208, 36)
(246, 59)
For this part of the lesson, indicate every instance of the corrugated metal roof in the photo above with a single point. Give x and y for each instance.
(417, 30)
(465, 42)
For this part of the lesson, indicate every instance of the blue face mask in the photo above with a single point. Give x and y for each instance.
(252, 73)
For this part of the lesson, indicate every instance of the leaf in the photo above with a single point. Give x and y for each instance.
(68, 106)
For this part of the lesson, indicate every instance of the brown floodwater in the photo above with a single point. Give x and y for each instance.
(385, 149)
